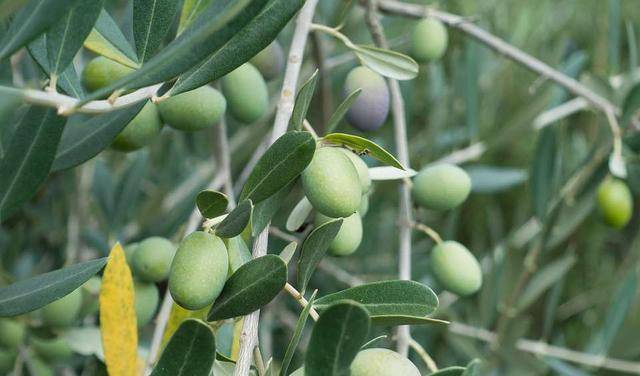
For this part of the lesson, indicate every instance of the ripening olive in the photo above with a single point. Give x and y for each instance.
(456, 268)
(7, 360)
(429, 40)
(146, 301)
(441, 187)
(370, 109)
(269, 61)
(11, 333)
(615, 202)
(382, 362)
(152, 259)
(52, 350)
(100, 72)
(349, 236)
(361, 168)
(238, 251)
(140, 131)
(246, 93)
(199, 270)
(331, 183)
(64, 311)
(194, 110)
(90, 292)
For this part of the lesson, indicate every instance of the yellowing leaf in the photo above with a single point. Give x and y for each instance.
(177, 316)
(237, 333)
(101, 46)
(118, 316)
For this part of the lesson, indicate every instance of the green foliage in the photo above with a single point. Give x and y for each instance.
(314, 248)
(361, 145)
(211, 203)
(151, 23)
(106, 39)
(303, 100)
(236, 221)
(191, 351)
(387, 63)
(297, 334)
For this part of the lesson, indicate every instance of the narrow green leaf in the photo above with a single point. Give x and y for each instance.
(106, 39)
(544, 171)
(336, 339)
(265, 210)
(190, 10)
(543, 280)
(83, 138)
(449, 371)
(299, 214)
(236, 221)
(151, 22)
(211, 203)
(387, 63)
(128, 190)
(288, 251)
(246, 43)
(493, 179)
(239, 253)
(28, 157)
(303, 100)
(32, 20)
(252, 286)
(297, 334)
(395, 320)
(390, 173)
(473, 368)
(190, 351)
(36, 292)
(342, 110)
(66, 37)
(363, 146)
(68, 80)
(631, 104)
(314, 248)
(279, 165)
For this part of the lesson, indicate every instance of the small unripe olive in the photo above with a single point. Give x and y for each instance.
(270, 61)
(429, 41)
(146, 301)
(331, 183)
(11, 333)
(64, 311)
(238, 251)
(194, 110)
(382, 362)
(90, 293)
(152, 259)
(7, 360)
(246, 93)
(129, 251)
(52, 350)
(615, 202)
(441, 187)
(364, 205)
(101, 72)
(456, 268)
(369, 111)
(140, 131)
(361, 168)
(199, 270)
(349, 236)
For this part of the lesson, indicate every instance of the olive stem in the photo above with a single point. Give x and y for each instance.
(334, 33)
(257, 359)
(424, 355)
(303, 302)
(428, 230)
(307, 126)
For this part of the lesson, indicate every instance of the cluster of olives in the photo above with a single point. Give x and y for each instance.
(378, 362)
(615, 202)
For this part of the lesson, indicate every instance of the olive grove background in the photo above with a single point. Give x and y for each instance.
(560, 292)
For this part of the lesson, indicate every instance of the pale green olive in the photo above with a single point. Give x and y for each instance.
(456, 268)
(194, 110)
(429, 40)
(361, 168)
(12, 333)
(152, 259)
(146, 301)
(382, 362)
(615, 202)
(246, 93)
(441, 187)
(349, 236)
(64, 311)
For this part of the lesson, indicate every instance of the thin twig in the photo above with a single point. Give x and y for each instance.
(424, 355)
(303, 302)
(433, 234)
(257, 357)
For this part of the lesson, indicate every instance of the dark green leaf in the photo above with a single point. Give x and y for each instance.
(543, 280)
(363, 146)
(128, 190)
(265, 210)
(190, 351)
(68, 80)
(473, 368)
(295, 339)
(211, 203)
(303, 100)
(492, 179)
(279, 165)
(252, 286)
(342, 110)
(151, 22)
(36, 292)
(387, 63)
(314, 248)
(83, 138)
(236, 221)
(631, 104)
(449, 371)
(106, 39)
(252, 39)
(543, 171)
(28, 158)
(190, 10)
(395, 320)
(336, 339)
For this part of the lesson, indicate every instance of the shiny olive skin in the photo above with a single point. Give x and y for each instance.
(193, 110)
(429, 40)
(199, 270)
(140, 131)
(100, 72)
(270, 61)
(146, 301)
(382, 362)
(331, 183)
(456, 268)
(349, 236)
(615, 202)
(52, 350)
(152, 259)
(246, 93)
(64, 311)
(370, 110)
(12, 333)
(361, 168)
(441, 187)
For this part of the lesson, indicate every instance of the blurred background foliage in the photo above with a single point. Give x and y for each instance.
(584, 291)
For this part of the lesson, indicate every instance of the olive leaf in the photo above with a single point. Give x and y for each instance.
(473, 368)
(252, 286)
(449, 371)
(297, 334)
(544, 171)
(303, 100)
(190, 9)
(190, 351)
(236, 221)
(288, 251)
(211, 203)
(314, 248)
(151, 22)
(299, 214)
(544, 279)
(631, 104)
(128, 190)
(68, 81)
(387, 63)
(363, 146)
(265, 210)
(342, 110)
(36, 292)
(106, 39)
(336, 339)
(493, 179)
(391, 173)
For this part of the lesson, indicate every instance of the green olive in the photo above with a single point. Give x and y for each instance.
(364, 205)
(194, 110)
(349, 236)
(146, 301)
(199, 270)
(270, 61)
(140, 131)
(129, 251)
(238, 251)
(361, 168)
(441, 187)
(7, 360)
(246, 93)
(11, 333)
(331, 183)
(152, 259)
(429, 40)
(615, 202)
(90, 293)
(456, 268)
(52, 350)
(382, 362)
(64, 311)
(100, 72)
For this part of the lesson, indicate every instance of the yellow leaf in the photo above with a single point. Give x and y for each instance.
(176, 317)
(101, 46)
(118, 317)
(237, 333)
